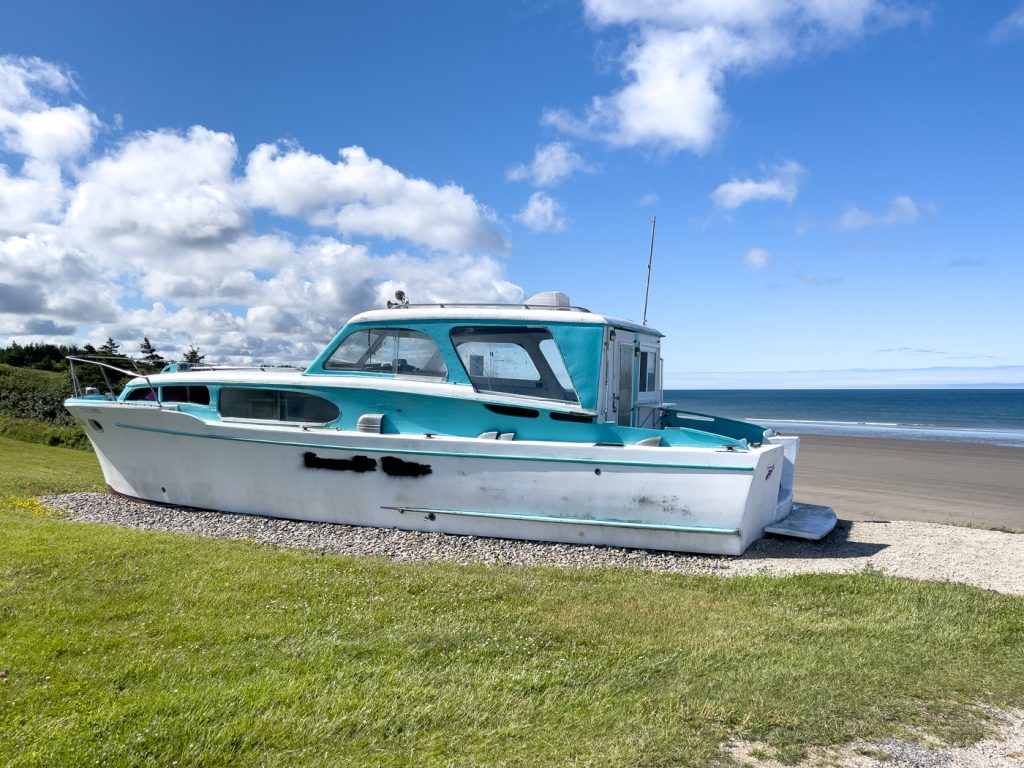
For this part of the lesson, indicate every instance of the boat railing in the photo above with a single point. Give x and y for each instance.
(102, 363)
(104, 366)
(482, 305)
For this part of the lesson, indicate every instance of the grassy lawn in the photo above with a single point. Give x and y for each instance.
(32, 470)
(134, 648)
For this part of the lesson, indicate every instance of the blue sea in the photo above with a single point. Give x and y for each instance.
(991, 416)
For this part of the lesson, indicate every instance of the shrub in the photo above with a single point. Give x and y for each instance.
(39, 395)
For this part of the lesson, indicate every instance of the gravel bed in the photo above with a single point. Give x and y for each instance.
(983, 558)
(1005, 749)
(390, 543)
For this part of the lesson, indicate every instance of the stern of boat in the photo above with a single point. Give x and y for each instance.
(801, 521)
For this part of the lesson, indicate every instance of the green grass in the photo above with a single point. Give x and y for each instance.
(136, 648)
(34, 470)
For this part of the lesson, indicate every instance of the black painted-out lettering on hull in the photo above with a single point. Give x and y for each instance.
(355, 464)
(398, 468)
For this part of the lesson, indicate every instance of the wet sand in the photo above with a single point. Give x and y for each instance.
(877, 479)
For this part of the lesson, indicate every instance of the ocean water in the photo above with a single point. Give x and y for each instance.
(992, 416)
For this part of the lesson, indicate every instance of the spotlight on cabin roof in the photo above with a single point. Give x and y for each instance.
(552, 299)
(401, 301)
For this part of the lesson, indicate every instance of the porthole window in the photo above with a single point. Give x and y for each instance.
(275, 405)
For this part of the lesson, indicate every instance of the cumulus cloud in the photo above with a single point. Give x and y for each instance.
(161, 186)
(756, 258)
(902, 210)
(542, 213)
(29, 124)
(682, 52)
(1010, 26)
(361, 195)
(781, 184)
(551, 164)
(31, 199)
(44, 136)
(157, 236)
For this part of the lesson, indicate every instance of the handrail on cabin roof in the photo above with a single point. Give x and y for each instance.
(484, 305)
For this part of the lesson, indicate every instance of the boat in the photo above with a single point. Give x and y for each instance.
(538, 421)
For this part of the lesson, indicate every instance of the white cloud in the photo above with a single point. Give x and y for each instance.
(682, 51)
(756, 258)
(23, 80)
(360, 195)
(646, 200)
(551, 164)
(29, 125)
(161, 186)
(31, 199)
(902, 210)
(781, 185)
(542, 213)
(1010, 26)
(157, 236)
(809, 279)
(45, 137)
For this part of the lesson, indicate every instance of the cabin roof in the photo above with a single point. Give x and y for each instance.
(510, 314)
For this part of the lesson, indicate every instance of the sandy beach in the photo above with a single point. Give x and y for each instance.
(877, 479)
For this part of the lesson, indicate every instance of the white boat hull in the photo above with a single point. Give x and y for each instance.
(664, 498)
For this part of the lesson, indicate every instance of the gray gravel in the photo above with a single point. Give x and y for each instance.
(1005, 749)
(368, 542)
(983, 558)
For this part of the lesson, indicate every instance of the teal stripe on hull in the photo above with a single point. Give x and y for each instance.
(416, 452)
(574, 521)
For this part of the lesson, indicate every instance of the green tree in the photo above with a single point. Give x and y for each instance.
(193, 356)
(110, 348)
(150, 357)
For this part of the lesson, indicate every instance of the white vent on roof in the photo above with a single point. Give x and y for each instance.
(553, 299)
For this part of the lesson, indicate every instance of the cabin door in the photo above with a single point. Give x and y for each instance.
(624, 385)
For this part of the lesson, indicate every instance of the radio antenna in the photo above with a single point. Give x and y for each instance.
(650, 258)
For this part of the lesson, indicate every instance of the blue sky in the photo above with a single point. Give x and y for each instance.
(837, 184)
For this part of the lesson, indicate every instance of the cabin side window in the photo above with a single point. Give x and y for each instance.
(514, 360)
(189, 394)
(388, 350)
(275, 405)
(198, 395)
(648, 370)
(144, 394)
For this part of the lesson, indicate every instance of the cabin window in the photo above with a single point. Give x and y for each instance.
(189, 394)
(141, 393)
(648, 371)
(172, 394)
(388, 350)
(275, 405)
(514, 360)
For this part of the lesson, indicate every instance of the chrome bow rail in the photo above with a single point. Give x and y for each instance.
(100, 363)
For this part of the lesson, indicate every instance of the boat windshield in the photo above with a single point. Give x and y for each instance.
(388, 350)
(514, 360)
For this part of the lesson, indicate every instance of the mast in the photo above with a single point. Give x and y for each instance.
(650, 258)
